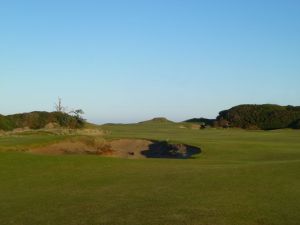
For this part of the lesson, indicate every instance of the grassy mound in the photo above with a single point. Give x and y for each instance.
(158, 120)
(38, 120)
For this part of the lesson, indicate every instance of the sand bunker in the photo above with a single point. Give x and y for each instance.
(124, 148)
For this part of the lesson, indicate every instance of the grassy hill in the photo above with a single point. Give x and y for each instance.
(241, 177)
(266, 117)
(157, 120)
(38, 119)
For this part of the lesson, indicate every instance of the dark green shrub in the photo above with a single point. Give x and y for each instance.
(6, 124)
(265, 117)
(296, 125)
(209, 122)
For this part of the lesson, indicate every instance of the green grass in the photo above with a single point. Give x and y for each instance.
(240, 178)
(25, 141)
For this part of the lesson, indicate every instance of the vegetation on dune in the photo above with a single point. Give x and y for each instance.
(42, 119)
(38, 120)
(266, 117)
(157, 120)
(5, 123)
(296, 124)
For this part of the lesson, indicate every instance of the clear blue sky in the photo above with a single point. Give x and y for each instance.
(126, 61)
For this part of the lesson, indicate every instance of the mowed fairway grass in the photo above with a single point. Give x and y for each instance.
(240, 178)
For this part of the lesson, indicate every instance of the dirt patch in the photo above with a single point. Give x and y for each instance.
(69, 148)
(124, 148)
(129, 148)
(52, 126)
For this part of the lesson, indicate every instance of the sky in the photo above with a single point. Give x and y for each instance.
(128, 61)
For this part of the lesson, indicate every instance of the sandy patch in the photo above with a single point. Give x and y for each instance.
(124, 148)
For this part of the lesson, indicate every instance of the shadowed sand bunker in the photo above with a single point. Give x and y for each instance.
(124, 148)
(162, 149)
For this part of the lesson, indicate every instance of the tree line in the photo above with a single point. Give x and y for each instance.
(266, 117)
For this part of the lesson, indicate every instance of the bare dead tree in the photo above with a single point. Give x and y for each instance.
(59, 107)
